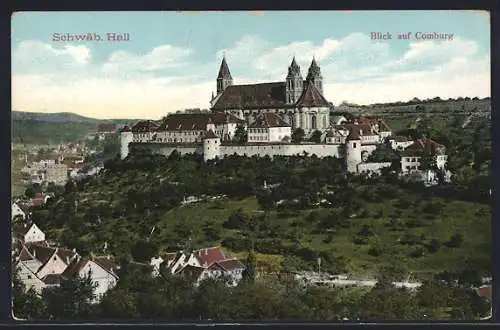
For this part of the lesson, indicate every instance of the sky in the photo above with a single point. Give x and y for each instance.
(171, 59)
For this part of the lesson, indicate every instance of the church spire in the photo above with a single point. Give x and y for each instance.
(224, 78)
(224, 69)
(314, 75)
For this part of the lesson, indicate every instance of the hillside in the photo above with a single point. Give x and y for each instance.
(48, 128)
(367, 225)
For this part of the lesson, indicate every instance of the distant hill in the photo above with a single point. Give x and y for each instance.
(48, 128)
(64, 117)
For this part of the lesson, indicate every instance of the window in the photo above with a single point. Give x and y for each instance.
(407, 167)
(354, 145)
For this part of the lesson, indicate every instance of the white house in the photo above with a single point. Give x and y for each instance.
(17, 212)
(29, 278)
(34, 234)
(231, 269)
(412, 155)
(269, 127)
(102, 271)
(57, 262)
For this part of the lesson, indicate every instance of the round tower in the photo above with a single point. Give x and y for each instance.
(353, 151)
(211, 146)
(126, 137)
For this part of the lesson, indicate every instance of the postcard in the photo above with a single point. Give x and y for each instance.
(251, 166)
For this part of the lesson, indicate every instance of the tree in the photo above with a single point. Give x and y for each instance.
(119, 303)
(240, 135)
(251, 265)
(27, 304)
(298, 135)
(315, 137)
(73, 299)
(143, 251)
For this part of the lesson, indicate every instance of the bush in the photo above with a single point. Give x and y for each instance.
(417, 253)
(433, 246)
(236, 244)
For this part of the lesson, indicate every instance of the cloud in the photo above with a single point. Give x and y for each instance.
(162, 57)
(166, 78)
(35, 56)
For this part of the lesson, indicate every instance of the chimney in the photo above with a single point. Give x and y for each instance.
(34, 253)
(67, 260)
(206, 252)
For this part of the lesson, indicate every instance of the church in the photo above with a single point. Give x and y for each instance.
(298, 101)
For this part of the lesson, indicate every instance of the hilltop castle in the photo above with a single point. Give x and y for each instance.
(268, 113)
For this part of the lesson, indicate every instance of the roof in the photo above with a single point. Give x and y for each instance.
(185, 122)
(74, 267)
(269, 119)
(41, 253)
(208, 256)
(65, 254)
(255, 96)
(169, 256)
(144, 126)
(353, 134)
(312, 97)
(191, 273)
(485, 291)
(210, 135)
(107, 263)
(52, 279)
(366, 129)
(420, 145)
(24, 255)
(335, 119)
(225, 118)
(230, 264)
(101, 128)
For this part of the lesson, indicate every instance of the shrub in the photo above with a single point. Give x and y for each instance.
(417, 253)
(433, 246)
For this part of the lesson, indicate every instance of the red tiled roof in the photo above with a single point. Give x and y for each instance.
(186, 122)
(144, 126)
(208, 256)
(24, 255)
(256, 96)
(311, 97)
(485, 291)
(106, 128)
(420, 145)
(269, 119)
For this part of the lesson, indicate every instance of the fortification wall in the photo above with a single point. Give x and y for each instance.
(167, 148)
(320, 150)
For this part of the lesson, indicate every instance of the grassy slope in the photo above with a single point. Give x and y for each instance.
(361, 263)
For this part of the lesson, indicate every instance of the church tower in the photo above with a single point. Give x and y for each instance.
(314, 76)
(224, 78)
(294, 83)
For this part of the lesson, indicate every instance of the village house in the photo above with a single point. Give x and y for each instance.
(17, 212)
(103, 131)
(37, 260)
(102, 271)
(34, 234)
(269, 127)
(411, 158)
(207, 263)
